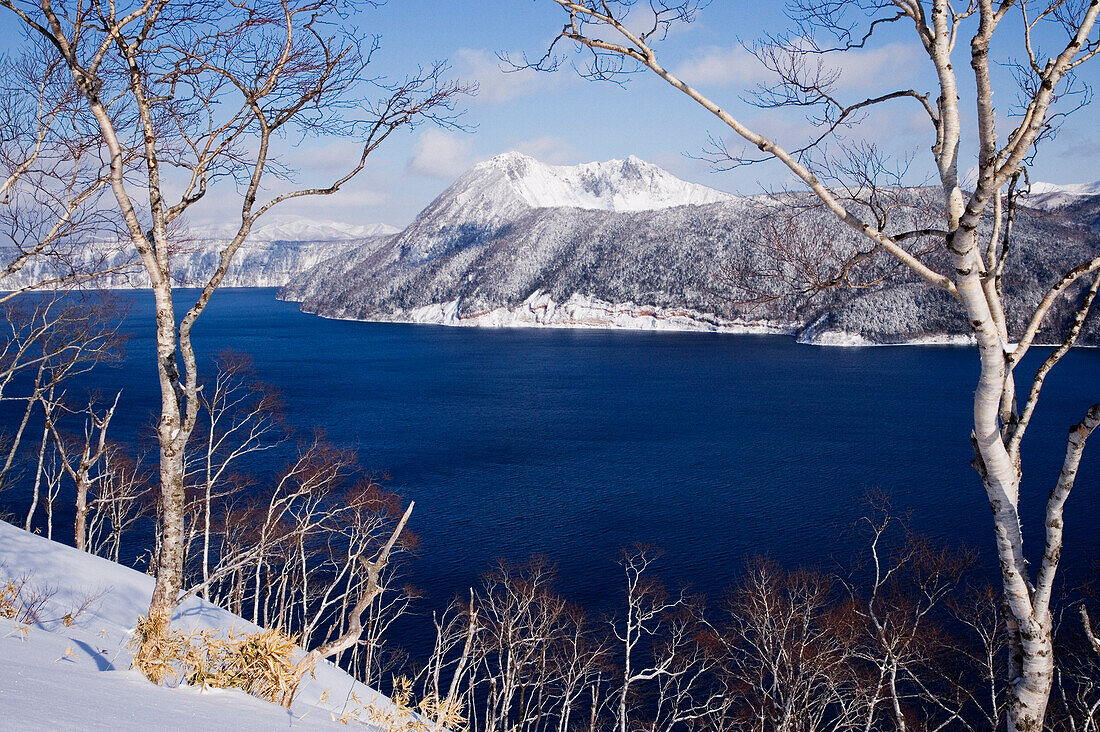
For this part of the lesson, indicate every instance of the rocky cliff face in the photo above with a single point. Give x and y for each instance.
(625, 244)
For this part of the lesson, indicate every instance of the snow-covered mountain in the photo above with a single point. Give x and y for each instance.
(614, 185)
(1049, 196)
(287, 227)
(625, 244)
(512, 185)
(274, 252)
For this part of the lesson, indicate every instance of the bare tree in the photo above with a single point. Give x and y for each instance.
(53, 231)
(517, 656)
(790, 661)
(239, 417)
(620, 36)
(649, 605)
(121, 501)
(370, 589)
(83, 465)
(200, 92)
(46, 344)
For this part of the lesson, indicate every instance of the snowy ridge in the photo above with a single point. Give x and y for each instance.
(287, 227)
(1048, 196)
(56, 676)
(258, 263)
(613, 185)
(1070, 189)
(273, 253)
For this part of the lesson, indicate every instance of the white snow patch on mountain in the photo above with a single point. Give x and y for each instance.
(845, 339)
(1072, 189)
(56, 676)
(287, 227)
(613, 185)
(1052, 195)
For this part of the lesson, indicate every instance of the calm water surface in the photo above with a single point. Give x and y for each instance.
(577, 443)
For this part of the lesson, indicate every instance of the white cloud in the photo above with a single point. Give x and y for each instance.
(548, 149)
(317, 157)
(495, 83)
(353, 204)
(894, 63)
(889, 65)
(722, 67)
(439, 154)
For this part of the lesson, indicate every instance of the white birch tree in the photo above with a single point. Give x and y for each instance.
(198, 92)
(621, 36)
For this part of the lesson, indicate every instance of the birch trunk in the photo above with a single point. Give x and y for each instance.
(1030, 689)
(974, 282)
(172, 438)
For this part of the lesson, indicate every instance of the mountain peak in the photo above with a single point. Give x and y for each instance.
(1073, 189)
(506, 158)
(632, 184)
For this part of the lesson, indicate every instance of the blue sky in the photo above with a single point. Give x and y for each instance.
(560, 118)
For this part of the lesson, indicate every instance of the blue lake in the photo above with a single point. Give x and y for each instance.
(576, 443)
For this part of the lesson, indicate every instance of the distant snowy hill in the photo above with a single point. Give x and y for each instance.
(511, 186)
(1047, 196)
(514, 242)
(274, 252)
(56, 676)
(284, 227)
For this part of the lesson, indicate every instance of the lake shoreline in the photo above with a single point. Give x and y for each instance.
(699, 323)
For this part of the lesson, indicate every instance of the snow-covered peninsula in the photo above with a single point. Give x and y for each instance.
(514, 242)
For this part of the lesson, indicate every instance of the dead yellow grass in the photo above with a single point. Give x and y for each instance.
(265, 665)
(159, 651)
(401, 715)
(262, 664)
(9, 600)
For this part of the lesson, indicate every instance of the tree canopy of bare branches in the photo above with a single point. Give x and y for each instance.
(197, 93)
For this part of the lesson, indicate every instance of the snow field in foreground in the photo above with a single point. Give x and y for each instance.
(54, 677)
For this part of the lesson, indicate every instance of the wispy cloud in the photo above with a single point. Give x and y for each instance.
(439, 154)
(548, 149)
(496, 81)
(717, 66)
(860, 69)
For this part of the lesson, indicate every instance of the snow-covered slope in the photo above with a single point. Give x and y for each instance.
(270, 257)
(514, 242)
(614, 185)
(59, 677)
(287, 227)
(1048, 196)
